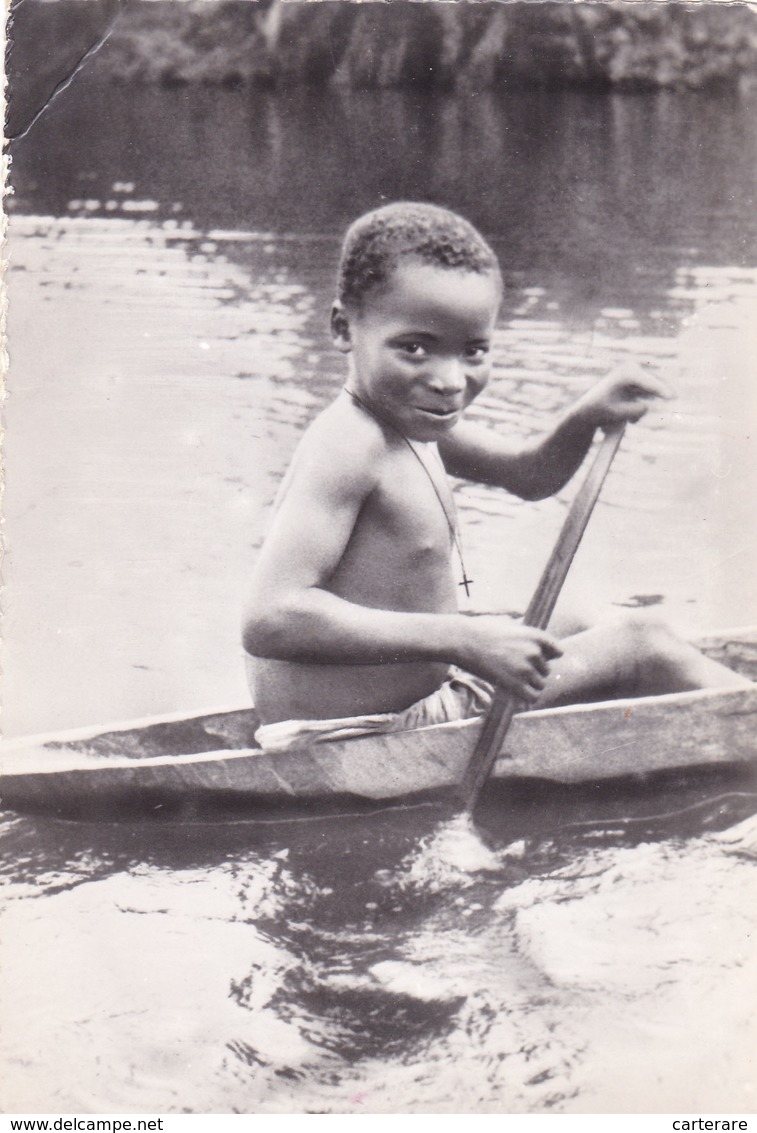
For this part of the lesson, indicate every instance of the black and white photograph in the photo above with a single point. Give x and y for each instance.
(379, 591)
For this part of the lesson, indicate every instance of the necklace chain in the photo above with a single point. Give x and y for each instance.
(450, 516)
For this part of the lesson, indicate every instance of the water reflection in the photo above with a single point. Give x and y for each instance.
(584, 190)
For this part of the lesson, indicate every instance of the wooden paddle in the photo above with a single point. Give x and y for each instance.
(504, 704)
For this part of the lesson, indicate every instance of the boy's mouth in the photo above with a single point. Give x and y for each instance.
(441, 414)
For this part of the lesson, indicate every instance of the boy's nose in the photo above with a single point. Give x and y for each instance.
(448, 376)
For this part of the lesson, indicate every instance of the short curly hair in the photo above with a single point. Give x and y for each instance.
(375, 243)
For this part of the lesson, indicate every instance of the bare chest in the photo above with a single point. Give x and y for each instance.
(413, 503)
(401, 550)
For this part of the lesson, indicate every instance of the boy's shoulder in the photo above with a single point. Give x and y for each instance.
(343, 442)
(348, 431)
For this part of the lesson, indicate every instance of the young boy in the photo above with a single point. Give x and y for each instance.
(352, 624)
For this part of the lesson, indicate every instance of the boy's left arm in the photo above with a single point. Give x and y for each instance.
(540, 469)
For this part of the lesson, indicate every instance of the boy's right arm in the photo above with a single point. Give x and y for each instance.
(539, 469)
(293, 616)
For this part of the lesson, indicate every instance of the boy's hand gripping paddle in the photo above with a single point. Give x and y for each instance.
(504, 705)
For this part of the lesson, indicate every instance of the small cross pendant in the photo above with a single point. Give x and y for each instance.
(467, 583)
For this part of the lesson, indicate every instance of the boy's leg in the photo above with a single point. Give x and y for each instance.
(634, 655)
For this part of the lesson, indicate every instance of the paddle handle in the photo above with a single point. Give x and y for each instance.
(504, 705)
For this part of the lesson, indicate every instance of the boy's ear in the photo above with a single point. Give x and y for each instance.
(340, 327)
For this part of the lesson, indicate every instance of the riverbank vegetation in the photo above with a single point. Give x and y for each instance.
(386, 45)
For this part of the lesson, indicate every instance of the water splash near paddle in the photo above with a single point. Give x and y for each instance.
(459, 846)
(452, 856)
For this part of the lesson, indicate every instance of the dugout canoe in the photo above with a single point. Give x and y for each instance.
(212, 755)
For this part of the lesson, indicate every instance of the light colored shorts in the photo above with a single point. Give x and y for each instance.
(461, 697)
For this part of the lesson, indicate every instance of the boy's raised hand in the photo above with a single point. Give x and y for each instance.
(624, 395)
(509, 654)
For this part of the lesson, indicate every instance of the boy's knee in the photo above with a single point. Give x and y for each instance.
(663, 661)
(645, 634)
(647, 624)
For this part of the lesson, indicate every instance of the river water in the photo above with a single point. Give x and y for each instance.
(172, 257)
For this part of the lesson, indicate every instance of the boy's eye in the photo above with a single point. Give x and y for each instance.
(477, 352)
(414, 349)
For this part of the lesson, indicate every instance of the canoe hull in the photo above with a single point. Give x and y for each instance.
(579, 743)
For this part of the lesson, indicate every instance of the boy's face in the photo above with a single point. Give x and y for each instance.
(421, 345)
